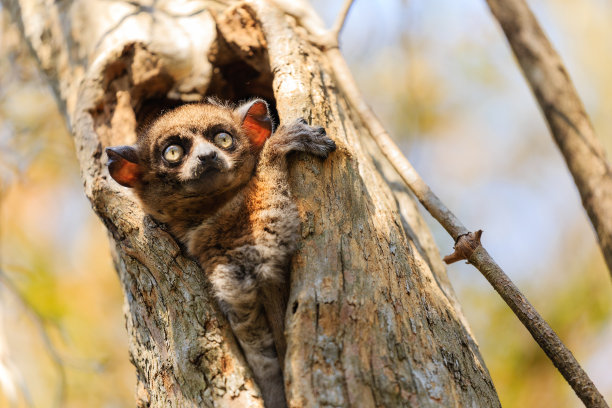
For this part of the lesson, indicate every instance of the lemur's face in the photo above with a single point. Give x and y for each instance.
(194, 151)
(199, 150)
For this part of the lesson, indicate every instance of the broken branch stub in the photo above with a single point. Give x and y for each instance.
(465, 246)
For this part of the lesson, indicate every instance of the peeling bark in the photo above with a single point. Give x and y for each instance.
(371, 319)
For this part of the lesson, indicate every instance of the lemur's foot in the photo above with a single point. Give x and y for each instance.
(299, 136)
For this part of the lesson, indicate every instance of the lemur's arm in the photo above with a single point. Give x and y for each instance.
(276, 215)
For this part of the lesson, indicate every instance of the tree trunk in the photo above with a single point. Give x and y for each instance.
(371, 319)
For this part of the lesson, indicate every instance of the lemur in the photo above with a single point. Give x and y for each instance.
(217, 176)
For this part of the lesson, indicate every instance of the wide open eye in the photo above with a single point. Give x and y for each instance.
(173, 153)
(223, 140)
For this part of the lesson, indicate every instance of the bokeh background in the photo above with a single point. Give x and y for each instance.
(443, 80)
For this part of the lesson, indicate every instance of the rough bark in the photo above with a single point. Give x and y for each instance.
(565, 115)
(371, 321)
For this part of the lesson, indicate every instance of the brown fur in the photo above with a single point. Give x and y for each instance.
(236, 217)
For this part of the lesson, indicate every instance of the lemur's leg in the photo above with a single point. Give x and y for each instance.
(236, 288)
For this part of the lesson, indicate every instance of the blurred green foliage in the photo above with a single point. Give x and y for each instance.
(441, 77)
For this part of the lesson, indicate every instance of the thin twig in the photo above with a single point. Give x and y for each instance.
(469, 243)
(339, 24)
(567, 119)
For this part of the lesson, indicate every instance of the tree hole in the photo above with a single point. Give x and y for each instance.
(137, 85)
(294, 307)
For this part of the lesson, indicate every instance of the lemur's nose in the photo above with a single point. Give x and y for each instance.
(207, 157)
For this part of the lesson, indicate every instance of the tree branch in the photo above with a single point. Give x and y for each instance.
(339, 24)
(548, 340)
(565, 115)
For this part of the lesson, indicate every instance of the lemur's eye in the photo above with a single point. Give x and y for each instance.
(173, 153)
(223, 140)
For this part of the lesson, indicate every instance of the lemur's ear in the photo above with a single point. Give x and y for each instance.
(256, 121)
(123, 165)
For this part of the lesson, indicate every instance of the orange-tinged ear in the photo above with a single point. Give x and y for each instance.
(256, 121)
(123, 165)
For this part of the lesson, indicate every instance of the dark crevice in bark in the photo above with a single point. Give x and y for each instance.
(240, 72)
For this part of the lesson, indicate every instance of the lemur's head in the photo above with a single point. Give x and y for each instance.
(196, 151)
